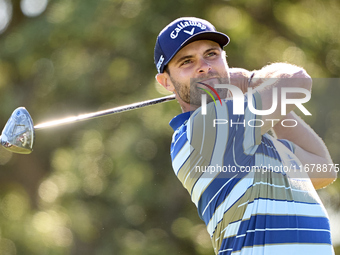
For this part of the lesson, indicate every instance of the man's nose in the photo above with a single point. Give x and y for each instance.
(204, 66)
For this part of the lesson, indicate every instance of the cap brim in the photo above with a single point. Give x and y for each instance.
(220, 38)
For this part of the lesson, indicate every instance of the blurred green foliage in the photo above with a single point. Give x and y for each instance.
(106, 186)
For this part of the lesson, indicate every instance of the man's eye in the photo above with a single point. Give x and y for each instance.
(211, 54)
(188, 61)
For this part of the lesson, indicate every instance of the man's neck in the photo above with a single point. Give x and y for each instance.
(188, 107)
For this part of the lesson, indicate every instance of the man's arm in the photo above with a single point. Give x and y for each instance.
(279, 75)
(310, 149)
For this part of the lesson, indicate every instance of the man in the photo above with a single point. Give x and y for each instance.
(265, 210)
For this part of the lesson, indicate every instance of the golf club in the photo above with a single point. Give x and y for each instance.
(19, 132)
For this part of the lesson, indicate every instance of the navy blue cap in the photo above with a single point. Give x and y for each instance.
(180, 33)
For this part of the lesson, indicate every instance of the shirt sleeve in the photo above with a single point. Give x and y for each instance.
(290, 145)
(214, 131)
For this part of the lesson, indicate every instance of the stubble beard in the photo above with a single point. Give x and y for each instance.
(191, 94)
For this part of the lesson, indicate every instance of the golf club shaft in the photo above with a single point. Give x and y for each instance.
(93, 115)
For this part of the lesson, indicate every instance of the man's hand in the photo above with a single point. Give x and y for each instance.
(240, 78)
(243, 78)
(279, 75)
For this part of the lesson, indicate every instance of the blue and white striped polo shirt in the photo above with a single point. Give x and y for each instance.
(264, 210)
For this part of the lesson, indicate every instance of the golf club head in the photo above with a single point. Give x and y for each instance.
(18, 134)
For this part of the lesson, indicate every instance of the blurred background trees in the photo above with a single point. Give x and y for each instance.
(106, 186)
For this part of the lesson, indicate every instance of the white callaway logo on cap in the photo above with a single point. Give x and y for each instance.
(185, 24)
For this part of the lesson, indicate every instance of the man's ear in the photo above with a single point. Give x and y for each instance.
(164, 80)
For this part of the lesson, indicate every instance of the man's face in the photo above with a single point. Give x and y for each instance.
(200, 61)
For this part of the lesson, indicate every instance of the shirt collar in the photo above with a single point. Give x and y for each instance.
(178, 121)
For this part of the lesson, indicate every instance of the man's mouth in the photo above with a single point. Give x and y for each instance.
(210, 81)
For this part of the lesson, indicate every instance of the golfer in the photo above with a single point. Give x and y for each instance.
(252, 190)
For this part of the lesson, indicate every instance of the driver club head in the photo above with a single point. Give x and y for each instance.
(18, 134)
